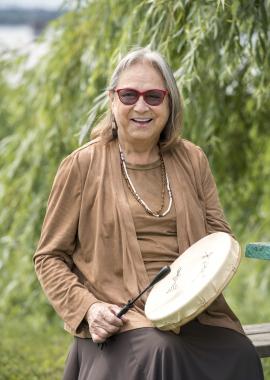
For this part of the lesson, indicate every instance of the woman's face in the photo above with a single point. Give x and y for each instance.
(140, 122)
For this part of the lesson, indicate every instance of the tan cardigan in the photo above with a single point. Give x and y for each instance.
(88, 250)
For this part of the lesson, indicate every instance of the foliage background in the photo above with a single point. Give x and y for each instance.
(220, 54)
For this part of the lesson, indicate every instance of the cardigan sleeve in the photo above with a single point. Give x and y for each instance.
(214, 215)
(53, 258)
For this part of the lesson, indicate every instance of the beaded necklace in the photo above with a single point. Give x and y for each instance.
(165, 183)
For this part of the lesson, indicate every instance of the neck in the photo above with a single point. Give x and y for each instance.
(139, 154)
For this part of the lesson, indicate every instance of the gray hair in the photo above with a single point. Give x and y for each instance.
(173, 127)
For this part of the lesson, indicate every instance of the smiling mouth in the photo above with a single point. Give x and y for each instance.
(142, 121)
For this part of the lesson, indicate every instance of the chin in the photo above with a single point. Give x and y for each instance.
(141, 136)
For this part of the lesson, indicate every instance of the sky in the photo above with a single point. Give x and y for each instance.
(46, 4)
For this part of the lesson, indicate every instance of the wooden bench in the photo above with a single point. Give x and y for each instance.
(259, 334)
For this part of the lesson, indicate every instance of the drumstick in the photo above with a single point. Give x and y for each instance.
(161, 274)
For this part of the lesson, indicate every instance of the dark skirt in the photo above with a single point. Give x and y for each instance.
(199, 352)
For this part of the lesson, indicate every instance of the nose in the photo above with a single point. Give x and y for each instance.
(141, 105)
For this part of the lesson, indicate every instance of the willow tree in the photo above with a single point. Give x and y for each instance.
(220, 54)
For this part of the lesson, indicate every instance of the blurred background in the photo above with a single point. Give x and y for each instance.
(23, 20)
(55, 60)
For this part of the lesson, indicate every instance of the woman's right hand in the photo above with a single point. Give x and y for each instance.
(103, 322)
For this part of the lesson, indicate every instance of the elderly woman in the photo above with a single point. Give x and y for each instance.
(121, 207)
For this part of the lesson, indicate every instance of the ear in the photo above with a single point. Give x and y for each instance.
(111, 95)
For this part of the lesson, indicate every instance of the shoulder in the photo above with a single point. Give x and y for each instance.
(78, 162)
(189, 147)
(86, 151)
(191, 157)
(188, 150)
(83, 155)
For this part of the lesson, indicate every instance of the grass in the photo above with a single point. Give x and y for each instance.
(31, 353)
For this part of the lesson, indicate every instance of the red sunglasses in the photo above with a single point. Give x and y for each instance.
(129, 96)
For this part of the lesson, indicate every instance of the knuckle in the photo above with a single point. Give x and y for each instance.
(111, 319)
(99, 336)
(93, 328)
(116, 323)
(104, 335)
(112, 329)
(95, 338)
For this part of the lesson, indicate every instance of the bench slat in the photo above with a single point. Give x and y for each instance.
(258, 251)
(260, 336)
(257, 329)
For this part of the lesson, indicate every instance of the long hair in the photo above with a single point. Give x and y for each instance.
(171, 132)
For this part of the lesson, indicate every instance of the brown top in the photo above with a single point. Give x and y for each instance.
(157, 237)
(88, 249)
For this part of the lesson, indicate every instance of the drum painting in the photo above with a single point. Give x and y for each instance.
(197, 277)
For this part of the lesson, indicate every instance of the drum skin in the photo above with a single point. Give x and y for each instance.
(197, 277)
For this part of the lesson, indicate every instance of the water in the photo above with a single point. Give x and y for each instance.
(15, 37)
(21, 38)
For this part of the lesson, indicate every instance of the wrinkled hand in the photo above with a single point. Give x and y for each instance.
(103, 321)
